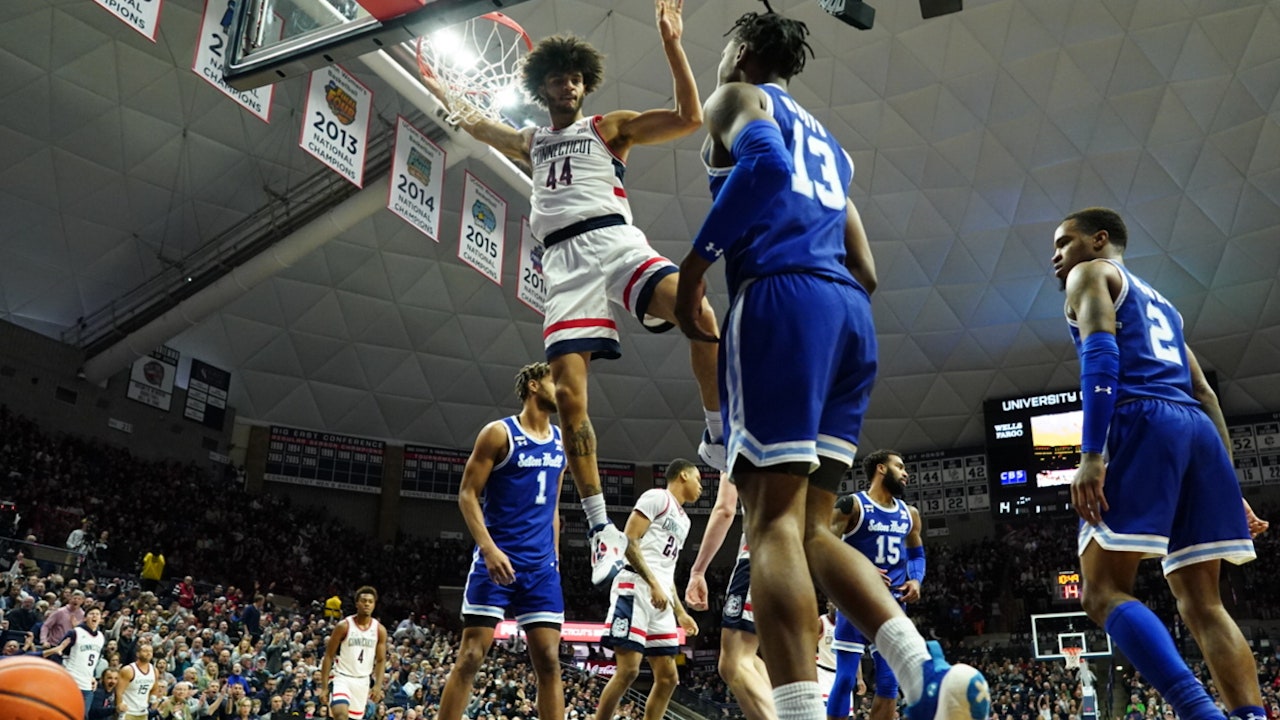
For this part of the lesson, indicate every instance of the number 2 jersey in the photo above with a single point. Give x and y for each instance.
(576, 177)
(881, 535)
(520, 499)
(804, 229)
(1153, 356)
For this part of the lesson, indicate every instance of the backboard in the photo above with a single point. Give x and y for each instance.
(270, 40)
(1052, 632)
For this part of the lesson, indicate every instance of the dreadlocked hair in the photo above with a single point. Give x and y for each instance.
(561, 54)
(779, 42)
(527, 374)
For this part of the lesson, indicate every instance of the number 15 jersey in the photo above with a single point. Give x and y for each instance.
(881, 535)
(576, 177)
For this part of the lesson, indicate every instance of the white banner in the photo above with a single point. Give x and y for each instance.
(141, 15)
(532, 287)
(417, 179)
(484, 228)
(335, 125)
(209, 60)
(152, 377)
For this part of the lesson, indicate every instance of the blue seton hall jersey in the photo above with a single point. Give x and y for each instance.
(804, 230)
(520, 502)
(1153, 360)
(881, 535)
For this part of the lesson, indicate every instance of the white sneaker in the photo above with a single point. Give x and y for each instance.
(608, 552)
(713, 453)
(951, 692)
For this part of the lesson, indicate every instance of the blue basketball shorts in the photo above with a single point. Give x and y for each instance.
(535, 596)
(797, 362)
(850, 639)
(1171, 488)
(737, 613)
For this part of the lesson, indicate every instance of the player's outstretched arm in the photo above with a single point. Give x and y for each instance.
(505, 139)
(490, 447)
(722, 514)
(857, 250)
(623, 128)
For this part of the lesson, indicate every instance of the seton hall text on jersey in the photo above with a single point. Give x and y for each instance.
(580, 146)
(547, 459)
(894, 526)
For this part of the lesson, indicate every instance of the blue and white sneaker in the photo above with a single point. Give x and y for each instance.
(713, 453)
(608, 552)
(951, 692)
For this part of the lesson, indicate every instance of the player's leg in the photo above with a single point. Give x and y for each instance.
(665, 680)
(884, 706)
(544, 654)
(477, 637)
(743, 671)
(849, 645)
(627, 668)
(348, 697)
(1230, 661)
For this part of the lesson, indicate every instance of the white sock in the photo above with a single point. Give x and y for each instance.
(799, 701)
(594, 507)
(715, 424)
(903, 648)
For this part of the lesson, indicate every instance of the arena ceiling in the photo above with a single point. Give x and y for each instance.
(972, 134)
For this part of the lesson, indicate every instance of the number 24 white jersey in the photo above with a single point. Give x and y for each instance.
(668, 528)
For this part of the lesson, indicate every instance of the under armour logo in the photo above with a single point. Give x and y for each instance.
(711, 248)
(1100, 389)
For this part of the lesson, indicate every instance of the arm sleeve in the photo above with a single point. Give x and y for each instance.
(1099, 382)
(844, 504)
(915, 563)
(761, 170)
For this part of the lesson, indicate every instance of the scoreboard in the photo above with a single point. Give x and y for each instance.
(941, 482)
(432, 473)
(617, 479)
(1255, 448)
(322, 459)
(1066, 587)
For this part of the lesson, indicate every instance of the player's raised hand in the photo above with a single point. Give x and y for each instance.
(1257, 526)
(695, 593)
(670, 18)
(1086, 489)
(500, 570)
(658, 598)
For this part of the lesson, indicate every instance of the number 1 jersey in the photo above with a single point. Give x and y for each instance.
(520, 502)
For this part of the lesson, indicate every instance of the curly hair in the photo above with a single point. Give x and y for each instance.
(527, 374)
(779, 42)
(879, 457)
(561, 54)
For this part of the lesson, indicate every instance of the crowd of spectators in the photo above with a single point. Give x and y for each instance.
(217, 647)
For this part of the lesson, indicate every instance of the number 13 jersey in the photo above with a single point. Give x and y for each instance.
(576, 177)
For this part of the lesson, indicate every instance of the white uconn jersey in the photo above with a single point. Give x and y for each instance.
(826, 653)
(358, 651)
(668, 528)
(575, 177)
(137, 697)
(82, 655)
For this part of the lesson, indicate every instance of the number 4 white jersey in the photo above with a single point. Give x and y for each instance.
(668, 528)
(576, 177)
(358, 650)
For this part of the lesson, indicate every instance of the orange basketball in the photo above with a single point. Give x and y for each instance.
(33, 688)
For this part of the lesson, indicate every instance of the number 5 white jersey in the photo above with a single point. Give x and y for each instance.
(576, 177)
(359, 649)
(668, 528)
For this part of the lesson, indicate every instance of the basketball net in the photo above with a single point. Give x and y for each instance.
(1073, 657)
(475, 65)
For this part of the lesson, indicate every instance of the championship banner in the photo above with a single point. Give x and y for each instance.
(335, 125)
(484, 228)
(207, 389)
(532, 288)
(141, 15)
(209, 61)
(417, 179)
(151, 379)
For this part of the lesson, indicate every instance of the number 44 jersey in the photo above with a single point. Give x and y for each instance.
(576, 177)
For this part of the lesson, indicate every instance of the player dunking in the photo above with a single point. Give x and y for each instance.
(137, 686)
(798, 361)
(645, 609)
(740, 666)
(518, 464)
(357, 656)
(1165, 486)
(594, 255)
(878, 524)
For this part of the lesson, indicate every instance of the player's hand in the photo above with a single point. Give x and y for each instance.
(1257, 526)
(670, 18)
(862, 685)
(1086, 489)
(688, 623)
(322, 694)
(694, 321)
(695, 593)
(910, 591)
(375, 693)
(884, 575)
(500, 570)
(658, 598)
